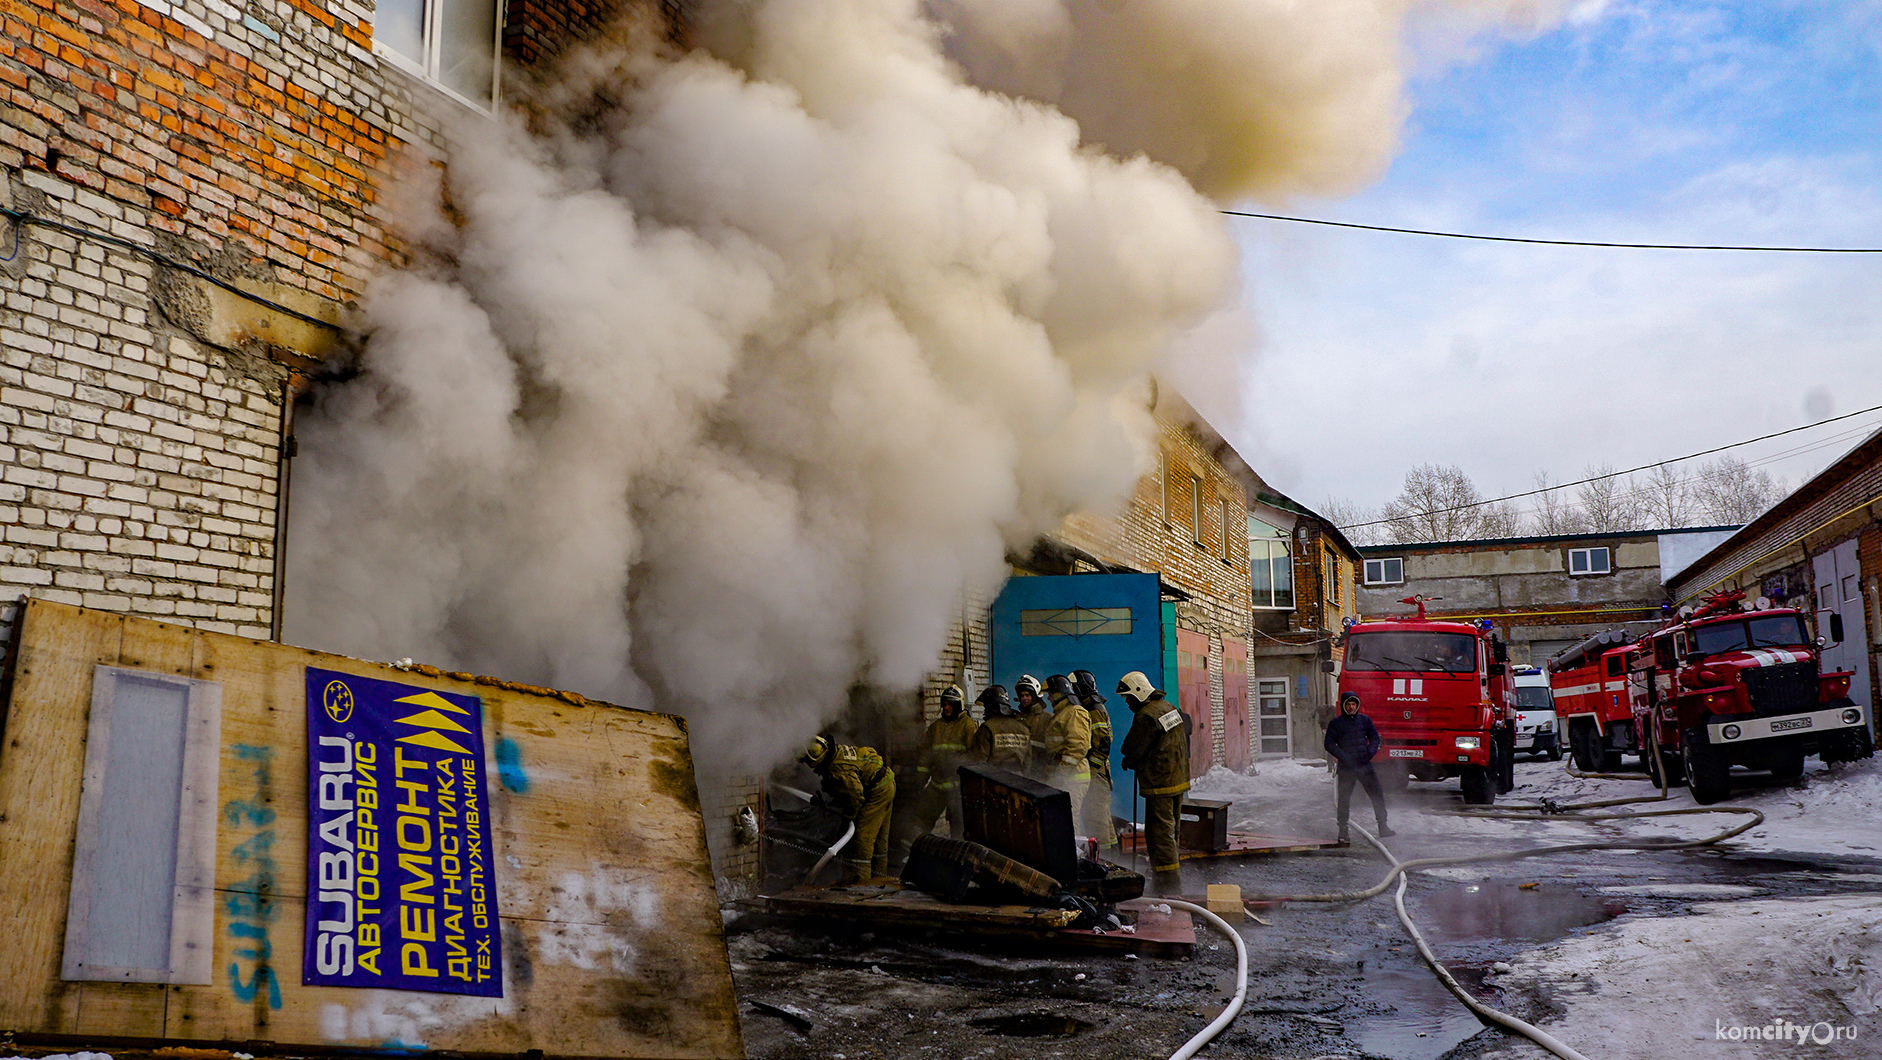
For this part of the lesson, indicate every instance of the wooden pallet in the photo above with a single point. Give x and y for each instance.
(1156, 934)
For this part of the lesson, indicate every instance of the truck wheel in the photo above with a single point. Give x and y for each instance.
(1555, 749)
(1610, 758)
(1707, 772)
(1663, 762)
(1479, 786)
(1787, 759)
(1581, 745)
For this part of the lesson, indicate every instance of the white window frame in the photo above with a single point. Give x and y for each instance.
(428, 68)
(1266, 557)
(1382, 579)
(1587, 557)
(1287, 715)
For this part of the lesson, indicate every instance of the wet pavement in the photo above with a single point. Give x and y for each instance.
(1325, 980)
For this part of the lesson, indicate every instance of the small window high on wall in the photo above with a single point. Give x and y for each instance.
(452, 43)
(143, 876)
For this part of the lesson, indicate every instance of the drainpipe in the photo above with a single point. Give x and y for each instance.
(283, 478)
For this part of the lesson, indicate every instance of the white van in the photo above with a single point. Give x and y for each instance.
(1535, 712)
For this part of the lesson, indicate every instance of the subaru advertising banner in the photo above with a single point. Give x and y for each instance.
(400, 885)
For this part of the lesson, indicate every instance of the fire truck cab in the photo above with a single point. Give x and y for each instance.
(1439, 693)
(1734, 683)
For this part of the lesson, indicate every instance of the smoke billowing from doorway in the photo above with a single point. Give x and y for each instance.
(728, 372)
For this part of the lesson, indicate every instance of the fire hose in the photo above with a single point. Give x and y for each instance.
(848, 831)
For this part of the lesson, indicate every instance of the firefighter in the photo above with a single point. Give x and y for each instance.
(1096, 811)
(1157, 750)
(1352, 740)
(1003, 739)
(1032, 711)
(942, 752)
(1067, 742)
(860, 786)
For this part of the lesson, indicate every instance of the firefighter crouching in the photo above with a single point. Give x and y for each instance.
(1095, 812)
(1157, 749)
(1067, 739)
(942, 752)
(1003, 739)
(860, 786)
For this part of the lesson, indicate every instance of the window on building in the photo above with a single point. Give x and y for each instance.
(1075, 622)
(1195, 509)
(1385, 571)
(1330, 574)
(1272, 714)
(143, 875)
(1588, 561)
(1270, 566)
(1228, 516)
(453, 43)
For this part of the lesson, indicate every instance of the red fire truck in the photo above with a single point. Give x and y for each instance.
(1731, 683)
(1592, 706)
(1439, 693)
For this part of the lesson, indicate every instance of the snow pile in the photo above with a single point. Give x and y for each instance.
(1287, 797)
(1699, 985)
(1826, 812)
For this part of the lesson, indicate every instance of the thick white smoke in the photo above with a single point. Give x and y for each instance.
(726, 379)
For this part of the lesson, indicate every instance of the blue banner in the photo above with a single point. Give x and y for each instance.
(401, 893)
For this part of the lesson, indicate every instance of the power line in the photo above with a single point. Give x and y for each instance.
(1629, 471)
(1546, 242)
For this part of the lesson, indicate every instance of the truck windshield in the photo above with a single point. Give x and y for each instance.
(1769, 631)
(1533, 697)
(1454, 653)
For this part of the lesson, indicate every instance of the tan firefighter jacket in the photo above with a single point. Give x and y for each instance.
(1100, 756)
(851, 776)
(944, 749)
(1004, 741)
(1157, 748)
(1067, 737)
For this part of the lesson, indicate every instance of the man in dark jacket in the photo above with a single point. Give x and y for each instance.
(1352, 740)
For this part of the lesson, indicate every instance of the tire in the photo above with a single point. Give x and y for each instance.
(1479, 786)
(1581, 745)
(1660, 762)
(1787, 759)
(1555, 750)
(1610, 758)
(1708, 774)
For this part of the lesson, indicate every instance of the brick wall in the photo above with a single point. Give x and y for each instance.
(1206, 559)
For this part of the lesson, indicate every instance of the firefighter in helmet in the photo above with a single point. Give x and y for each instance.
(1067, 742)
(1095, 814)
(1003, 739)
(1032, 711)
(1157, 749)
(943, 750)
(860, 786)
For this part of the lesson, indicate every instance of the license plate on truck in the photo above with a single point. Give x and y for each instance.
(1404, 752)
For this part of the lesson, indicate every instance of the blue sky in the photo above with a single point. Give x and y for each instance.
(1632, 120)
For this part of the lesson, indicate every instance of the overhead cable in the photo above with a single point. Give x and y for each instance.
(1547, 242)
(1629, 471)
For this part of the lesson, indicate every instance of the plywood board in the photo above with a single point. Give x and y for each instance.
(1165, 933)
(612, 938)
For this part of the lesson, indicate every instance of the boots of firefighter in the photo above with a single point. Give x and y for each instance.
(1168, 883)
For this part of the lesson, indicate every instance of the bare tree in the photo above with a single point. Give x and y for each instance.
(1502, 519)
(1553, 514)
(1608, 501)
(1730, 492)
(1667, 496)
(1356, 522)
(1436, 504)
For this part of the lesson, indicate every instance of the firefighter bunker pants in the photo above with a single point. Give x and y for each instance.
(867, 856)
(1160, 816)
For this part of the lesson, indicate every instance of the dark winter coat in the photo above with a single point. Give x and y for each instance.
(1352, 741)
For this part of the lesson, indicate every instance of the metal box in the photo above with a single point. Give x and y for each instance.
(1203, 825)
(1027, 821)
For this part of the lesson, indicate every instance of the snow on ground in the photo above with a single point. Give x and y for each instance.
(1824, 812)
(1745, 979)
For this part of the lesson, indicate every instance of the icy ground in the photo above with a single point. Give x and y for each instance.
(1755, 977)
